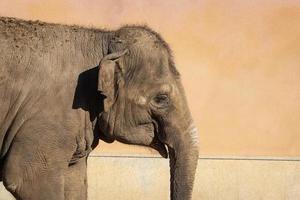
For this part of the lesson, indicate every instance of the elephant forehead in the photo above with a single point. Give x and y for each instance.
(156, 67)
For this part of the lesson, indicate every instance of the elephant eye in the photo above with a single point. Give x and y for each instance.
(161, 100)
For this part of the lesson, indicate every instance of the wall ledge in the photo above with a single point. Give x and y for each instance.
(202, 157)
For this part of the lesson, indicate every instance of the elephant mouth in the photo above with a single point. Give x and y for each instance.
(157, 144)
(160, 147)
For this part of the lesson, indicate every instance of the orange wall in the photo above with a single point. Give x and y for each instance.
(240, 63)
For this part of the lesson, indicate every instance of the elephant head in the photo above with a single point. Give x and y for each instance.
(145, 103)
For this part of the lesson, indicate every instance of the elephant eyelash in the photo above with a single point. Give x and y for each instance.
(161, 101)
(161, 98)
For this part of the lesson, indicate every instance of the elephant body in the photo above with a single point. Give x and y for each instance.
(54, 108)
(42, 125)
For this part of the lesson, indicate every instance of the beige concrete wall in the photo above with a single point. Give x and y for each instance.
(147, 178)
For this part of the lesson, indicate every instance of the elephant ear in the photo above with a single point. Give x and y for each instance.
(107, 78)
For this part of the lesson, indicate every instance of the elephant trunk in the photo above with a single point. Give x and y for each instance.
(183, 164)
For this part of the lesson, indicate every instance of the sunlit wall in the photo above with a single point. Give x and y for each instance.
(239, 60)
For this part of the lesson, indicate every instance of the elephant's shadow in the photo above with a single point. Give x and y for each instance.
(88, 98)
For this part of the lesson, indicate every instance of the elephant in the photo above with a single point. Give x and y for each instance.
(65, 87)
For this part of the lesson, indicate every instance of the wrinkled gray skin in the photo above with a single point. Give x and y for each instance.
(57, 101)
